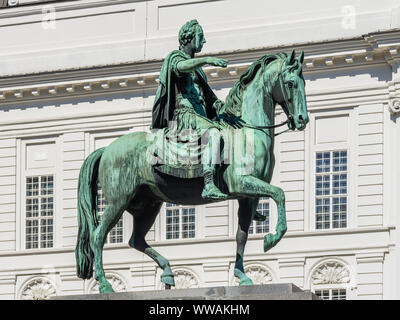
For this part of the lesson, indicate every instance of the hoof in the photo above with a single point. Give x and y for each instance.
(106, 288)
(168, 280)
(269, 242)
(246, 282)
(259, 217)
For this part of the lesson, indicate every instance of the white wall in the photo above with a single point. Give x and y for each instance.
(91, 33)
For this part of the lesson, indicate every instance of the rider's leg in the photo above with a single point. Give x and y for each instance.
(210, 158)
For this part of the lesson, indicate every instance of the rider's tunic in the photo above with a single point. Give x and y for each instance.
(185, 108)
(184, 98)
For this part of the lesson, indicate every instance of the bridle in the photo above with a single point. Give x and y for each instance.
(287, 101)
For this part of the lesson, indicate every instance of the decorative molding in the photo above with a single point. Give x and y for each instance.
(257, 273)
(349, 53)
(116, 282)
(292, 262)
(38, 289)
(330, 273)
(8, 279)
(141, 271)
(370, 257)
(12, 3)
(215, 267)
(394, 106)
(184, 279)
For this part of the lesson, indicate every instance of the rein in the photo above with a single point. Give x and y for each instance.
(262, 128)
(287, 102)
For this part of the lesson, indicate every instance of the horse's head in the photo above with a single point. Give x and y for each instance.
(289, 91)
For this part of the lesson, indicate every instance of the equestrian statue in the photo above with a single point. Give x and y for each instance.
(199, 150)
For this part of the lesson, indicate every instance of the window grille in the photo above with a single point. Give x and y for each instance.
(180, 222)
(331, 190)
(331, 294)
(39, 231)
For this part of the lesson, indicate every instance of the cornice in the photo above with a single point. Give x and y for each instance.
(364, 51)
(29, 9)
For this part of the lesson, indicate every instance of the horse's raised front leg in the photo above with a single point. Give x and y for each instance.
(247, 209)
(143, 219)
(252, 186)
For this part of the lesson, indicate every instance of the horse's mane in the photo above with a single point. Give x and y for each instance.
(233, 102)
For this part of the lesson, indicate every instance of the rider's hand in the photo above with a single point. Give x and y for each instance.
(232, 120)
(217, 62)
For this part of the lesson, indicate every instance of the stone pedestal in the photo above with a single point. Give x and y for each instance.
(283, 291)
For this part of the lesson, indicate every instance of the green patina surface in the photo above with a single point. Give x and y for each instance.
(244, 123)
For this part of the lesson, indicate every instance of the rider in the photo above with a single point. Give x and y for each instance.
(184, 96)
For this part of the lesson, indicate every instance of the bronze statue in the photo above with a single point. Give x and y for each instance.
(130, 182)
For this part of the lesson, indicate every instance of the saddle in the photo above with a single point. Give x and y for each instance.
(180, 158)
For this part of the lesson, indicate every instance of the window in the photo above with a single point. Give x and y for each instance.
(331, 294)
(39, 207)
(331, 280)
(116, 233)
(331, 190)
(261, 226)
(180, 222)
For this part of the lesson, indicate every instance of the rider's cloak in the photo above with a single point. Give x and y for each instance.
(165, 100)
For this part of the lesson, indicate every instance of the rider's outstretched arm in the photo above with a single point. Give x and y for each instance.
(193, 64)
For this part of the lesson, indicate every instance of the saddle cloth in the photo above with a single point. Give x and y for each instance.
(178, 157)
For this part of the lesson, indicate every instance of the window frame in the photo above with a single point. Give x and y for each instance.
(330, 196)
(199, 211)
(330, 288)
(311, 149)
(22, 174)
(40, 197)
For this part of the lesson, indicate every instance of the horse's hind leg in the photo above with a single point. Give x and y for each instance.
(247, 209)
(143, 219)
(110, 217)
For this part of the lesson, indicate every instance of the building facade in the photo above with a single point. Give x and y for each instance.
(76, 75)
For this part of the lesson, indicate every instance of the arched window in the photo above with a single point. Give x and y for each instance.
(184, 279)
(38, 288)
(116, 281)
(258, 273)
(330, 281)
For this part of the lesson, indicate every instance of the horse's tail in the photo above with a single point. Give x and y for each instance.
(87, 215)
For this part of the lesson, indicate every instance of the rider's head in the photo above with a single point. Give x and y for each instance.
(191, 32)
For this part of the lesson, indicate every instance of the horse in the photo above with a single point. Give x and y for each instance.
(129, 181)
